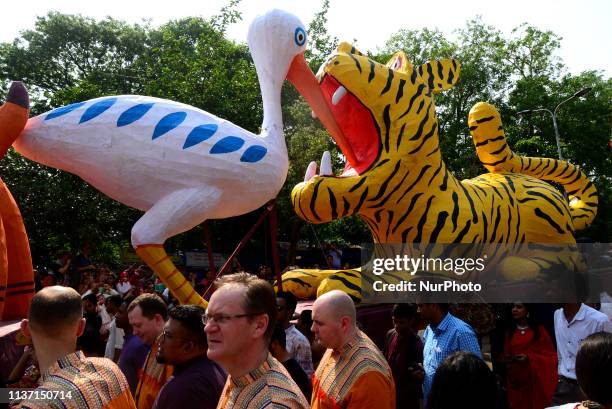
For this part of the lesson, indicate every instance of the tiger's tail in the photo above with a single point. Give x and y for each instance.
(495, 154)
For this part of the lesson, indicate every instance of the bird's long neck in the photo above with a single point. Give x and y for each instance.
(272, 126)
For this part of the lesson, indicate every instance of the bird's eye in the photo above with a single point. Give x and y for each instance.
(300, 36)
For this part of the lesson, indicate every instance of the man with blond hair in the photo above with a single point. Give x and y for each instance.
(68, 378)
(239, 322)
(353, 373)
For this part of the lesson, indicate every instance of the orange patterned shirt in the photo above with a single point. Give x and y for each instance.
(152, 377)
(77, 382)
(357, 376)
(268, 386)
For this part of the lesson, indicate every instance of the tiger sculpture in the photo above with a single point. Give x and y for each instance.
(396, 180)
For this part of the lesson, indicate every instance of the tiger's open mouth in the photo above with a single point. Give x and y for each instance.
(357, 125)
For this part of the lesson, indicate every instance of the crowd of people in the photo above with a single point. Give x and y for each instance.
(122, 341)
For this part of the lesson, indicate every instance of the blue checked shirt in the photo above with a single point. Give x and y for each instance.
(451, 335)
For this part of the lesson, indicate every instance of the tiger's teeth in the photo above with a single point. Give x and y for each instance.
(340, 92)
(311, 170)
(326, 167)
(313, 115)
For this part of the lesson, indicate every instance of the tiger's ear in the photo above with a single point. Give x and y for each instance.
(399, 63)
(440, 75)
(345, 47)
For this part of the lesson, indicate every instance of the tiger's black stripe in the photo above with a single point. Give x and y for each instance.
(421, 105)
(496, 162)
(430, 80)
(405, 215)
(389, 81)
(423, 170)
(347, 206)
(436, 172)
(496, 223)
(377, 215)
(387, 121)
(469, 198)
(545, 197)
(333, 203)
(463, 232)
(382, 162)
(442, 216)
(486, 141)
(509, 195)
(422, 221)
(371, 76)
(455, 210)
(390, 216)
(500, 150)
(383, 186)
(313, 200)
(427, 136)
(356, 62)
(361, 199)
(417, 94)
(440, 71)
(400, 90)
(483, 120)
(382, 202)
(444, 184)
(399, 136)
(345, 282)
(358, 184)
(538, 212)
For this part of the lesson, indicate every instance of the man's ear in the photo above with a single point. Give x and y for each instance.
(81, 327)
(345, 322)
(261, 325)
(25, 328)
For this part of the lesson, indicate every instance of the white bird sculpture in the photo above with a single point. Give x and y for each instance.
(179, 164)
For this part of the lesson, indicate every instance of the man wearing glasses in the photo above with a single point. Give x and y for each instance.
(239, 322)
(197, 381)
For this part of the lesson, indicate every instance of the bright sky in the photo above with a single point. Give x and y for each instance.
(585, 25)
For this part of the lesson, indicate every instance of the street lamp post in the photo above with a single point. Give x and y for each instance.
(553, 114)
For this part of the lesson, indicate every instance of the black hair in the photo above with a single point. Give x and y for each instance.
(92, 298)
(532, 321)
(115, 299)
(190, 318)
(463, 380)
(289, 298)
(404, 311)
(279, 336)
(594, 367)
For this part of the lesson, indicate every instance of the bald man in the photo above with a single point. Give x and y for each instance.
(69, 379)
(353, 373)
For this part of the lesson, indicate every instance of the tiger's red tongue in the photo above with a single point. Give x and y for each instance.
(357, 126)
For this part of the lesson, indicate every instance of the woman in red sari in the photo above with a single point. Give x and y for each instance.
(531, 361)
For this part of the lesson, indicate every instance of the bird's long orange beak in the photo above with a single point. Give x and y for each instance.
(303, 79)
(13, 116)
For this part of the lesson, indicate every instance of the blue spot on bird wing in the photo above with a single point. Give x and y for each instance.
(133, 114)
(63, 110)
(168, 123)
(200, 134)
(227, 145)
(253, 154)
(97, 109)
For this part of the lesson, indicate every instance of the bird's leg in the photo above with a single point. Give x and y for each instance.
(177, 212)
(158, 260)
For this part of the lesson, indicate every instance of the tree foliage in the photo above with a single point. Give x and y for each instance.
(68, 58)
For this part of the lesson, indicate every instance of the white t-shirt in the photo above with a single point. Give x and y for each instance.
(115, 340)
(569, 335)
